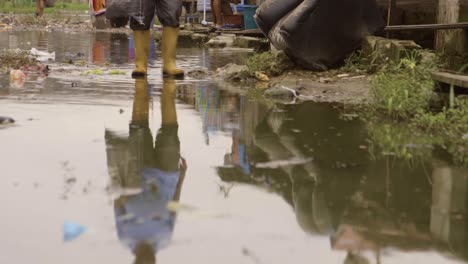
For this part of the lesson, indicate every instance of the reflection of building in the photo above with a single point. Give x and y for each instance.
(450, 206)
(362, 204)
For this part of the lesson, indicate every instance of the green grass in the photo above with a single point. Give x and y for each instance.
(27, 6)
(403, 93)
(403, 90)
(271, 63)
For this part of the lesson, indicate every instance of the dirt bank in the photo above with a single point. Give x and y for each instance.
(343, 88)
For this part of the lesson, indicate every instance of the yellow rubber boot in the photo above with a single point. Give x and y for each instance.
(141, 40)
(168, 49)
(140, 113)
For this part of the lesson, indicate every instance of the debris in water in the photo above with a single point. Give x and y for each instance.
(281, 163)
(4, 120)
(246, 252)
(72, 230)
(225, 189)
(116, 72)
(17, 75)
(93, 72)
(174, 207)
(42, 55)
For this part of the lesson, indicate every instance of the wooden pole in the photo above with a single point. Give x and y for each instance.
(390, 14)
(450, 41)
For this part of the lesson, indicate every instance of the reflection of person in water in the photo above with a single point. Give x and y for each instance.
(143, 221)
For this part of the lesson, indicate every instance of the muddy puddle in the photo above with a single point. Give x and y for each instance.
(187, 171)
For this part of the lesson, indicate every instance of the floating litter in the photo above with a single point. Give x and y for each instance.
(72, 230)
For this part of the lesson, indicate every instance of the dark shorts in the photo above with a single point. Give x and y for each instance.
(168, 12)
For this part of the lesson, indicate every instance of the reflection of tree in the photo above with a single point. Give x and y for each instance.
(153, 171)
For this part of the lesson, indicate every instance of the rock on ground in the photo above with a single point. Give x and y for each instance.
(233, 72)
(391, 49)
(250, 43)
(221, 41)
(198, 74)
(6, 120)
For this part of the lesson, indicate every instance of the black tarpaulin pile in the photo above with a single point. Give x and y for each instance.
(318, 34)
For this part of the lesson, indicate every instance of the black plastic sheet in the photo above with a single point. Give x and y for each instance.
(318, 34)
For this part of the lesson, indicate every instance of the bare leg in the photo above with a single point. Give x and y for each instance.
(39, 8)
(216, 10)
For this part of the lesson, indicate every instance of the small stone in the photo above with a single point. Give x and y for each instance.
(233, 72)
(221, 41)
(6, 120)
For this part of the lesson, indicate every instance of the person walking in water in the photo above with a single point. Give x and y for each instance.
(168, 13)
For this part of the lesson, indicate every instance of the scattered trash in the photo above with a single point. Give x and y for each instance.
(282, 163)
(17, 78)
(465, 136)
(281, 91)
(246, 252)
(72, 230)
(42, 55)
(344, 75)
(174, 207)
(116, 72)
(261, 76)
(93, 72)
(17, 74)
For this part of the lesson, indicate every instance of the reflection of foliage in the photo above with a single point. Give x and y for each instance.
(258, 96)
(403, 91)
(451, 126)
(392, 139)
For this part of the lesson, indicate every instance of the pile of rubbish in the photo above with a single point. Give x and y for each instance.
(318, 34)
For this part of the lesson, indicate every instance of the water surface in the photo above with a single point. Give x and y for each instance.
(264, 183)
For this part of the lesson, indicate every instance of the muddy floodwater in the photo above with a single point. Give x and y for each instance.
(164, 171)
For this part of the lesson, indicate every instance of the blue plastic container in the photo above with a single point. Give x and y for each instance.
(249, 12)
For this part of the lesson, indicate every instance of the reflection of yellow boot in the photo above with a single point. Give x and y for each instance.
(140, 114)
(168, 108)
(141, 40)
(168, 48)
